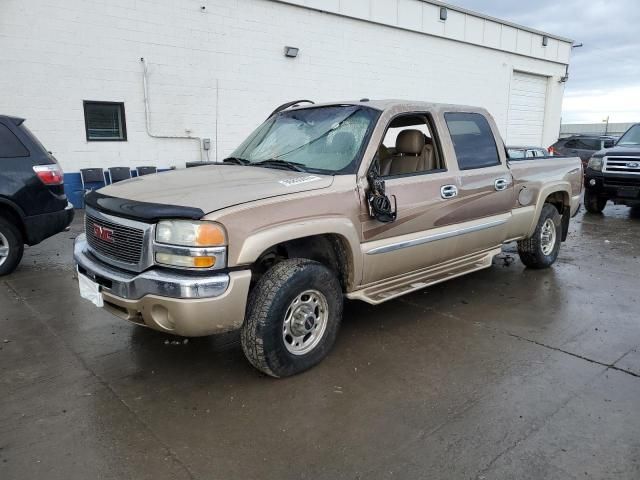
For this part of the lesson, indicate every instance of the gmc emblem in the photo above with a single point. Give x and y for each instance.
(103, 233)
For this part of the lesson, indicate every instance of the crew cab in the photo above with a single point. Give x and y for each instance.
(614, 174)
(366, 200)
(33, 205)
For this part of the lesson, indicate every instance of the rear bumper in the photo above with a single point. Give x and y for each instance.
(40, 227)
(181, 304)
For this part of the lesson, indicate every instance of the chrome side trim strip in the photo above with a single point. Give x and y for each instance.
(435, 237)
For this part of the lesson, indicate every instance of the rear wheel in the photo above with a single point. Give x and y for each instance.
(293, 316)
(11, 246)
(593, 203)
(541, 249)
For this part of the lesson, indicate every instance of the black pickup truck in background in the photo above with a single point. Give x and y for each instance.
(33, 205)
(614, 174)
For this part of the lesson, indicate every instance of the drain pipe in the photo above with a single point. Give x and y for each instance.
(147, 114)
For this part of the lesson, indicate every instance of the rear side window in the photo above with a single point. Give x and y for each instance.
(10, 146)
(590, 144)
(473, 140)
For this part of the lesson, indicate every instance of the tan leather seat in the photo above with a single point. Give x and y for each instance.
(384, 160)
(414, 153)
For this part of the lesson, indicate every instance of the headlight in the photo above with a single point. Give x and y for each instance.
(190, 234)
(595, 163)
(190, 244)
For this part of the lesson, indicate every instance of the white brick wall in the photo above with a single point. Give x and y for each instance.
(54, 55)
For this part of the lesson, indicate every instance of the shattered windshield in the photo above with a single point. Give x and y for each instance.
(632, 137)
(319, 139)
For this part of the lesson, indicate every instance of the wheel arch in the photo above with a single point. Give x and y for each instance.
(13, 212)
(333, 242)
(559, 195)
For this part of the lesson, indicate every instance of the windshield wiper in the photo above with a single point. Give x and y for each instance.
(236, 160)
(277, 162)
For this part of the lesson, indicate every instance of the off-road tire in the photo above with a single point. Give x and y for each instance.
(530, 249)
(16, 246)
(593, 203)
(261, 335)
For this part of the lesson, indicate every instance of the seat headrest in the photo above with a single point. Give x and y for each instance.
(383, 152)
(410, 142)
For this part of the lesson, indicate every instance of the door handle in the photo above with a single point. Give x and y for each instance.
(448, 191)
(501, 184)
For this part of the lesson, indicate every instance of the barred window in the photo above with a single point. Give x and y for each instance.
(104, 121)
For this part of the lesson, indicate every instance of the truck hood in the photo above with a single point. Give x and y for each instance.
(214, 187)
(631, 150)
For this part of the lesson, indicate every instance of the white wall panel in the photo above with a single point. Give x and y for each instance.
(54, 55)
(509, 38)
(523, 42)
(410, 14)
(474, 30)
(455, 25)
(431, 22)
(384, 11)
(356, 8)
(492, 32)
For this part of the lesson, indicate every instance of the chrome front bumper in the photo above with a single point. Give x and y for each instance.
(133, 286)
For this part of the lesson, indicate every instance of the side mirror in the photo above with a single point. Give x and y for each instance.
(379, 204)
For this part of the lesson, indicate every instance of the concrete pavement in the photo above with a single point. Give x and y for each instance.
(505, 373)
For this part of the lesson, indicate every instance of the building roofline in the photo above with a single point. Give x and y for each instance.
(498, 20)
(463, 11)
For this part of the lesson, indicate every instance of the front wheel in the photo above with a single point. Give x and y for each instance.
(593, 203)
(541, 249)
(292, 319)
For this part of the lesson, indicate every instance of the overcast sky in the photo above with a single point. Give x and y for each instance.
(604, 74)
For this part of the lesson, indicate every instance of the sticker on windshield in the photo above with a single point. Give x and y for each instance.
(288, 182)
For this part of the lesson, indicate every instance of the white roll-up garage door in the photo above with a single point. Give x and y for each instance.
(527, 100)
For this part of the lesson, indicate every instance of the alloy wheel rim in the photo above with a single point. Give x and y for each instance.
(305, 322)
(4, 249)
(548, 236)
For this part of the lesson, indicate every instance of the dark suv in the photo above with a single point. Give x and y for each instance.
(33, 205)
(614, 174)
(583, 146)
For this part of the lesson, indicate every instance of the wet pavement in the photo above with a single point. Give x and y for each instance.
(505, 373)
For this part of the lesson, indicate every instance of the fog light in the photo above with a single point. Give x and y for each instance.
(592, 182)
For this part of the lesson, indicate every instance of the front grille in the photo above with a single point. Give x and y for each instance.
(126, 245)
(622, 165)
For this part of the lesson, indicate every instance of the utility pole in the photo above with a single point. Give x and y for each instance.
(606, 125)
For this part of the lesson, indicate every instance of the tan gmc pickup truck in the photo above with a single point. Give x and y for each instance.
(366, 200)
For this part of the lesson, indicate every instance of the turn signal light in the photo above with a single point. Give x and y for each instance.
(185, 261)
(49, 174)
(209, 234)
